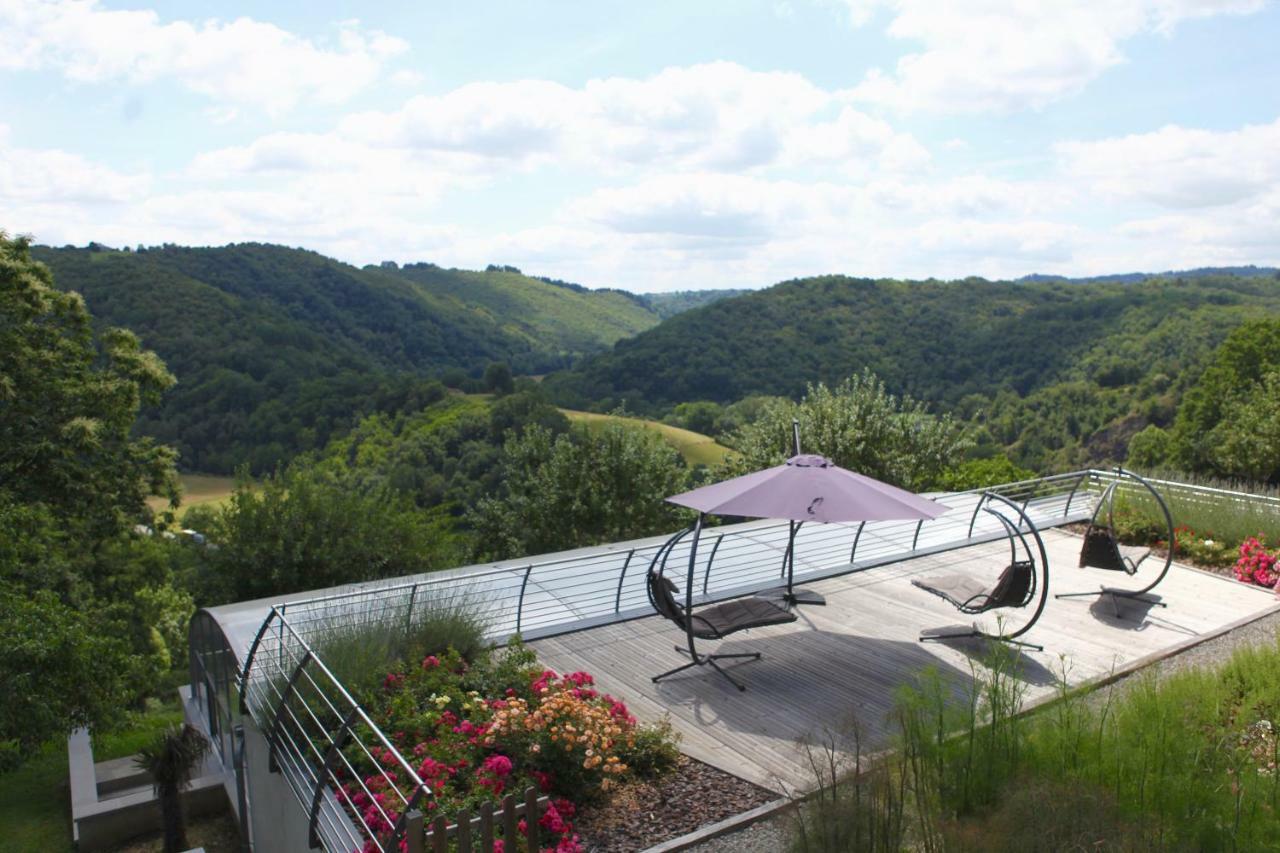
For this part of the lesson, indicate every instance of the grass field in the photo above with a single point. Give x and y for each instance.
(696, 448)
(35, 799)
(197, 489)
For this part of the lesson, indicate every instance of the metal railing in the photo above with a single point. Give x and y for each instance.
(310, 718)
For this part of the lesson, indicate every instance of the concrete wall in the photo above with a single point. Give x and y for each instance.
(104, 815)
(277, 821)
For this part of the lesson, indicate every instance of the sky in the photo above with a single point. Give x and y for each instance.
(655, 146)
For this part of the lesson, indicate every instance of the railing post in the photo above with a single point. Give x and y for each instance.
(706, 575)
(617, 599)
(854, 550)
(408, 617)
(248, 661)
(1066, 511)
(272, 763)
(520, 604)
(336, 742)
(976, 509)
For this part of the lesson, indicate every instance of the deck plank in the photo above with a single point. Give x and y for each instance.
(848, 658)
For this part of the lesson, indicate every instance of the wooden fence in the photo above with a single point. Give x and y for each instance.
(476, 834)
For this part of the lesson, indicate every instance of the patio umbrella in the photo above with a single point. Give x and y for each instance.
(805, 488)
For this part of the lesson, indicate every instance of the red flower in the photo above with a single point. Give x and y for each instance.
(498, 765)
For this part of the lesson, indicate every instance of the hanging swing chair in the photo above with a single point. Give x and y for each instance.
(708, 623)
(1016, 587)
(1101, 549)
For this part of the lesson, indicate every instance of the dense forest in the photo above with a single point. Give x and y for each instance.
(276, 350)
(1057, 374)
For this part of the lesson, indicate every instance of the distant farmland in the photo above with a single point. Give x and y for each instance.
(197, 490)
(696, 448)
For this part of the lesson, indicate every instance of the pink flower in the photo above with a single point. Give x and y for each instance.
(430, 662)
(551, 820)
(498, 765)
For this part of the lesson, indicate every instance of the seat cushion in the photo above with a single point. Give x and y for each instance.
(738, 615)
(960, 590)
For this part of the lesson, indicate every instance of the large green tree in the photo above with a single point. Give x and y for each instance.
(76, 609)
(859, 426)
(308, 528)
(1223, 421)
(583, 487)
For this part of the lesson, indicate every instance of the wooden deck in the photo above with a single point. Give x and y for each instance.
(847, 658)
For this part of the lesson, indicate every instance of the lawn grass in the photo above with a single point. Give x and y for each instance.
(35, 803)
(197, 490)
(696, 448)
(35, 799)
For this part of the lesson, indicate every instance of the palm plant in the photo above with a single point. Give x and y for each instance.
(171, 759)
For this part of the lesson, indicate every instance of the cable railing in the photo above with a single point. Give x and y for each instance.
(315, 727)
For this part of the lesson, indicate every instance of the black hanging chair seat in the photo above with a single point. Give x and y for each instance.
(718, 621)
(1014, 588)
(1102, 550)
(1024, 579)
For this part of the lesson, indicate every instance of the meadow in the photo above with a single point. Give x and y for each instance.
(696, 448)
(197, 490)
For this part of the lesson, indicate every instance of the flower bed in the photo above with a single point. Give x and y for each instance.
(1256, 565)
(476, 730)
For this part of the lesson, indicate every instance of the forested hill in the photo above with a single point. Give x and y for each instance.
(276, 348)
(965, 343)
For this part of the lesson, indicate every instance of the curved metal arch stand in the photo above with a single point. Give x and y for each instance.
(1108, 500)
(659, 563)
(1040, 590)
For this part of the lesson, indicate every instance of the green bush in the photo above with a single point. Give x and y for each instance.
(655, 752)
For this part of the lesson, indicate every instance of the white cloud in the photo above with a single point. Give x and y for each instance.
(997, 56)
(238, 62)
(1179, 167)
(48, 177)
(718, 116)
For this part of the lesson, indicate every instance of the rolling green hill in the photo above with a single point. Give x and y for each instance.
(549, 318)
(1059, 373)
(277, 349)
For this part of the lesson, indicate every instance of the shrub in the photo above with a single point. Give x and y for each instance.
(654, 751)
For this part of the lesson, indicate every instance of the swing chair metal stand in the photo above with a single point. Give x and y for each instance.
(709, 660)
(988, 600)
(1140, 595)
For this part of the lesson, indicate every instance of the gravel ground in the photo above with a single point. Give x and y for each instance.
(642, 815)
(770, 836)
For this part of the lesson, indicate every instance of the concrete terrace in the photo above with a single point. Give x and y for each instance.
(846, 659)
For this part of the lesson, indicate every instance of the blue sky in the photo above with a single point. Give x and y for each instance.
(655, 146)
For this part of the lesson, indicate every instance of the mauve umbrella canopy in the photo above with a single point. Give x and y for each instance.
(809, 488)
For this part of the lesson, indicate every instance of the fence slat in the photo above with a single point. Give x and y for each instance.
(509, 822)
(486, 827)
(464, 831)
(531, 817)
(413, 832)
(440, 835)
